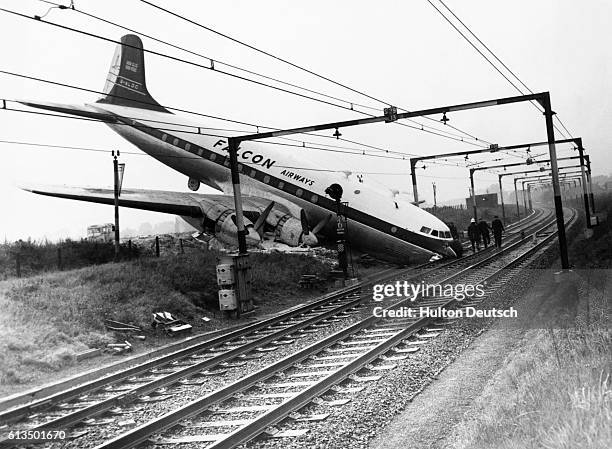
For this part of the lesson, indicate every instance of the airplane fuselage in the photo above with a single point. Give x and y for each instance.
(379, 223)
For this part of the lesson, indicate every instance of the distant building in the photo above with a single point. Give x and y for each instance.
(101, 233)
(486, 200)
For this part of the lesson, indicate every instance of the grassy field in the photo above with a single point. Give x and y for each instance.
(555, 390)
(46, 319)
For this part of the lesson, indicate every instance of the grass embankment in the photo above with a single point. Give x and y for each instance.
(556, 388)
(554, 392)
(46, 320)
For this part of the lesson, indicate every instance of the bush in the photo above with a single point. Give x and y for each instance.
(43, 256)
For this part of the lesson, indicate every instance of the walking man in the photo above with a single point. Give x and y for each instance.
(474, 235)
(498, 227)
(483, 227)
(453, 230)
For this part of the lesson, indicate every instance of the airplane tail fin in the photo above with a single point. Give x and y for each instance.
(125, 83)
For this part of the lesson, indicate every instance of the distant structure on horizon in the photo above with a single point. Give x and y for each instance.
(101, 232)
(485, 200)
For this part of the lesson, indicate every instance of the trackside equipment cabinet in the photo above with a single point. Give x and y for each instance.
(234, 280)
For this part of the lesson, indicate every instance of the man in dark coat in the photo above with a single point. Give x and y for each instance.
(498, 227)
(483, 227)
(474, 235)
(453, 230)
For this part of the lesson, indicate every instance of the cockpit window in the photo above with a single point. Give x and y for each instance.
(434, 233)
(425, 230)
(447, 234)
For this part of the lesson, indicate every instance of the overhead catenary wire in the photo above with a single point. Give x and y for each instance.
(210, 116)
(294, 65)
(217, 61)
(131, 153)
(379, 149)
(200, 55)
(301, 145)
(518, 89)
(216, 70)
(311, 146)
(386, 151)
(71, 86)
(499, 60)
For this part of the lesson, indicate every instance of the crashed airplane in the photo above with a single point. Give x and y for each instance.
(281, 201)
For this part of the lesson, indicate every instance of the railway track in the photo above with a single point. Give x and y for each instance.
(238, 412)
(84, 404)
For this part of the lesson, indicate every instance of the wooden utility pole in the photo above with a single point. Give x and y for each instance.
(116, 184)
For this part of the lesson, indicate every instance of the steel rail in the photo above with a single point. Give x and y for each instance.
(141, 433)
(18, 413)
(12, 414)
(512, 235)
(304, 397)
(105, 404)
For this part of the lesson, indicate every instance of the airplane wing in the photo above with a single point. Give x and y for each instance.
(213, 212)
(179, 203)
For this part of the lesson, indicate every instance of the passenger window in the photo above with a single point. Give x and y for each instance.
(425, 230)
(434, 233)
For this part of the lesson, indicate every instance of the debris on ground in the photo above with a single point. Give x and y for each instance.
(118, 326)
(119, 348)
(170, 324)
(310, 281)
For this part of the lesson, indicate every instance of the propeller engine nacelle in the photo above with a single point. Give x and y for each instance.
(289, 231)
(293, 231)
(221, 222)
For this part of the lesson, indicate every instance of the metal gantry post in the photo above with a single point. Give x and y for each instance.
(473, 194)
(501, 194)
(241, 232)
(585, 190)
(434, 196)
(550, 133)
(529, 198)
(518, 210)
(415, 191)
(241, 261)
(575, 191)
(524, 195)
(589, 179)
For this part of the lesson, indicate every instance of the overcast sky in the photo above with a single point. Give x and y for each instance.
(402, 52)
